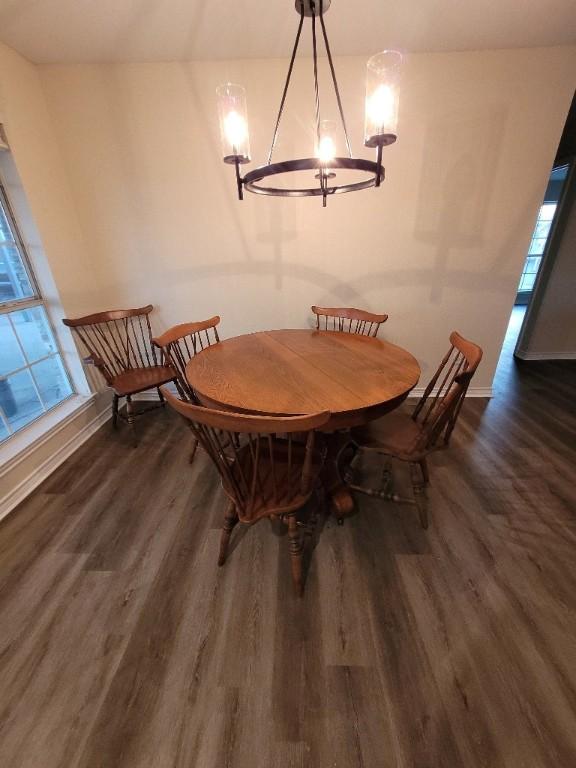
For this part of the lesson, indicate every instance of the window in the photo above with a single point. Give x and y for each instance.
(537, 245)
(541, 232)
(33, 378)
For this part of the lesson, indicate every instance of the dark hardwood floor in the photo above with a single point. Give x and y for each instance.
(123, 645)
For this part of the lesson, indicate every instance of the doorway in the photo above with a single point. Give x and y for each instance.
(546, 220)
(546, 238)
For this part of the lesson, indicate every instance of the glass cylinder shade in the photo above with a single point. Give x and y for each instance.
(233, 117)
(382, 95)
(326, 142)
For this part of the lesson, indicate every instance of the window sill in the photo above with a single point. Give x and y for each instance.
(24, 442)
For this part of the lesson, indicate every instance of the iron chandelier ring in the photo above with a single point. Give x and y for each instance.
(251, 180)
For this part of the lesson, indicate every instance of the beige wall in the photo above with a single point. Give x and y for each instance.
(56, 244)
(23, 111)
(551, 333)
(440, 246)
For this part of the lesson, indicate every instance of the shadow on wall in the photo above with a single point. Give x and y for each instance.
(454, 195)
(456, 187)
(277, 235)
(453, 203)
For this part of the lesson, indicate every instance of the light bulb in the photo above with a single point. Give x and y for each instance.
(326, 149)
(381, 106)
(235, 128)
(233, 118)
(382, 92)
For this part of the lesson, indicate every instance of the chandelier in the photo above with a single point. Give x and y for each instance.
(381, 112)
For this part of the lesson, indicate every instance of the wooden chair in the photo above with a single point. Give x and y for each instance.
(429, 428)
(179, 345)
(263, 474)
(348, 320)
(119, 344)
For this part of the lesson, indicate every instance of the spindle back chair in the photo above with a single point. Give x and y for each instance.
(268, 466)
(437, 410)
(412, 437)
(180, 343)
(119, 343)
(348, 320)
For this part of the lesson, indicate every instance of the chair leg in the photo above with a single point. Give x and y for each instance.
(230, 520)
(193, 451)
(388, 477)
(425, 473)
(115, 412)
(419, 489)
(296, 546)
(130, 415)
(161, 396)
(348, 471)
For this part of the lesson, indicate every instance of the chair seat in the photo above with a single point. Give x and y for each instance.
(139, 379)
(396, 434)
(280, 491)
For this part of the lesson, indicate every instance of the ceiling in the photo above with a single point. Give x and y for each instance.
(50, 31)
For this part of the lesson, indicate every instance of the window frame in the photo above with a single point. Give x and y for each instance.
(22, 252)
(29, 302)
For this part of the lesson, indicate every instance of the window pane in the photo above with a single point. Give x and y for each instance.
(27, 394)
(537, 246)
(547, 211)
(542, 229)
(3, 430)
(51, 381)
(34, 333)
(532, 264)
(528, 281)
(5, 233)
(19, 399)
(14, 281)
(11, 356)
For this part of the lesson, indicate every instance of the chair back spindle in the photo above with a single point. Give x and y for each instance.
(348, 320)
(179, 345)
(439, 407)
(265, 467)
(117, 341)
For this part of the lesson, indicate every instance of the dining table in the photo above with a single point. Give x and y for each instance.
(298, 371)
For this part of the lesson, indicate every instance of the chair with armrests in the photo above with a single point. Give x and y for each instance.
(179, 345)
(348, 320)
(411, 438)
(119, 344)
(265, 470)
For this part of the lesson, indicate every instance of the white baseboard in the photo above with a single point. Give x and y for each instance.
(546, 356)
(416, 392)
(472, 392)
(26, 486)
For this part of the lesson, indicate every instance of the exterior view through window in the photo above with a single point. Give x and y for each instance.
(541, 233)
(33, 378)
(537, 245)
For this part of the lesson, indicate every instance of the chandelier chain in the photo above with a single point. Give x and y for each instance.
(334, 80)
(286, 84)
(316, 90)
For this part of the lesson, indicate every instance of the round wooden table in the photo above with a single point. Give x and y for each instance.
(292, 372)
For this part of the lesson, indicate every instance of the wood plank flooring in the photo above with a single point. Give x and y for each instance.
(122, 645)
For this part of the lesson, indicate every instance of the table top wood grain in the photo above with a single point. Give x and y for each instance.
(291, 372)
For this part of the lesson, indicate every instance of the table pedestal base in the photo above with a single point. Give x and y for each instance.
(340, 498)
